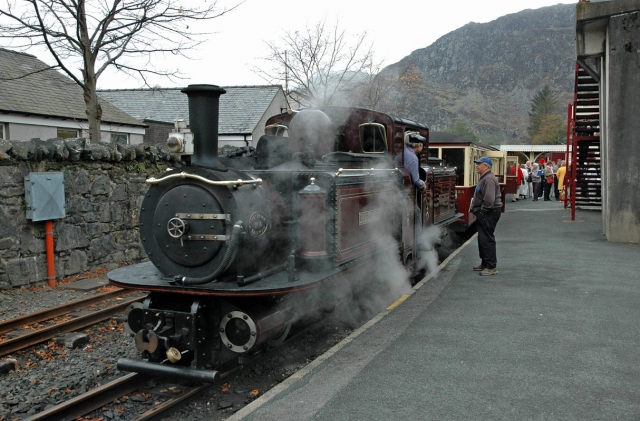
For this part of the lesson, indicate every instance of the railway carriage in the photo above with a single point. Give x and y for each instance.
(460, 153)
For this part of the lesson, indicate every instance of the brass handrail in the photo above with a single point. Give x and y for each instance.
(368, 171)
(183, 174)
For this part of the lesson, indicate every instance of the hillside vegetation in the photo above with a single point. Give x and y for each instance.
(485, 75)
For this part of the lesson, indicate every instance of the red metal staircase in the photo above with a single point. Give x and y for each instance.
(583, 144)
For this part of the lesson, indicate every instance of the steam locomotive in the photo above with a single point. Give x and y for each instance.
(231, 239)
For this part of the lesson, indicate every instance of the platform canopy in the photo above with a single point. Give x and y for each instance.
(531, 152)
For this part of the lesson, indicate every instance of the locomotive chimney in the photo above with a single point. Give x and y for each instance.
(204, 105)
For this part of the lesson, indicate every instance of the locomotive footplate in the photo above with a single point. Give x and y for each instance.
(145, 276)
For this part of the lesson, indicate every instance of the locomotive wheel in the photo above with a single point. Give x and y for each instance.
(279, 340)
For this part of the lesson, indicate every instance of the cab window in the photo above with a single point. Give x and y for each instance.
(277, 130)
(373, 138)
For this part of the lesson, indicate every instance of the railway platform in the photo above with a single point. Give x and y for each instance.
(554, 336)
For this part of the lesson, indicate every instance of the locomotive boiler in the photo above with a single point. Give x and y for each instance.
(240, 247)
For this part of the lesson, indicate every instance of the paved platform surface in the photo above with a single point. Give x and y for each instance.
(554, 336)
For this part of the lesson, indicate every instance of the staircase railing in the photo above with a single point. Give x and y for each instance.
(583, 144)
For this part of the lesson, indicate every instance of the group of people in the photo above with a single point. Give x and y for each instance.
(539, 179)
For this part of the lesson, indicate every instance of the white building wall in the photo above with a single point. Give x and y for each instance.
(28, 131)
(19, 127)
(277, 106)
(136, 139)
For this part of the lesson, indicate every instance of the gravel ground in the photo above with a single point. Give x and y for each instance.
(50, 373)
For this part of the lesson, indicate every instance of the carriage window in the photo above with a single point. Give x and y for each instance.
(454, 157)
(373, 138)
(277, 130)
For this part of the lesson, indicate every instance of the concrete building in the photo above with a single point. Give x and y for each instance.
(243, 111)
(37, 102)
(608, 48)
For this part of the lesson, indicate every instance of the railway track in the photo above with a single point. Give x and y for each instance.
(107, 393)
(15, 344)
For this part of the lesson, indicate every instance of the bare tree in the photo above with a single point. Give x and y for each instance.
(85, 37)
(319, 65)
(375, 88)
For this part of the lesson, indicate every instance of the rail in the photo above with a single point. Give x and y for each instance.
(42, 335)
(53, 312)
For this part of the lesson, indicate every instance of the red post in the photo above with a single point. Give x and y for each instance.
(51, 266)
(567, 155)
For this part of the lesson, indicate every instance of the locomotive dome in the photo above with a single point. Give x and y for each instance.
(310, 127)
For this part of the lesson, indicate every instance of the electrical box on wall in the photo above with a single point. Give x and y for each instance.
(44, 194)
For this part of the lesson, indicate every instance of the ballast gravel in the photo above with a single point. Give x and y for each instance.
(51, 373)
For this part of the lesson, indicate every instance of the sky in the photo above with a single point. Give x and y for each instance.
(237, 42)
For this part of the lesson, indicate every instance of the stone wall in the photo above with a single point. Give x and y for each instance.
(104, 184)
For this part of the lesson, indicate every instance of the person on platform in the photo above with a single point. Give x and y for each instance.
(536, 180)
(486, 205)
(515, 170)
(524, 186)
(556, 190)
(529, 169)
(560, 176)
(547, 180)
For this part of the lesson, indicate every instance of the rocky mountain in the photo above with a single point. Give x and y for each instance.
(486, 74)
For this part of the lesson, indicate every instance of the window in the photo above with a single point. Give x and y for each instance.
(276, 130)
(121, 138)
(454, 157)
(1, 130)
(67, 133)
(373, 138)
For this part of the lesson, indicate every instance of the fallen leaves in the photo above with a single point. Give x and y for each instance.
(225, 388)
(97, 273)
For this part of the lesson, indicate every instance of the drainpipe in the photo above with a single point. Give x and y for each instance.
(51, 264)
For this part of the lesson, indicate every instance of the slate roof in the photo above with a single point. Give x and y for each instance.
(46, 93)
(241, 108)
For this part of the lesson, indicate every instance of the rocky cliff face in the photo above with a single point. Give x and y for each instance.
(486, 74)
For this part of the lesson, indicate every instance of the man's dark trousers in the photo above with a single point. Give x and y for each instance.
(486, 225)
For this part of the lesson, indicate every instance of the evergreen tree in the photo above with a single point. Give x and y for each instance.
(552, 131)
(543, 105)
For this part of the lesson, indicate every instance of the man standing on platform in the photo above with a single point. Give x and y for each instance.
(486, 205)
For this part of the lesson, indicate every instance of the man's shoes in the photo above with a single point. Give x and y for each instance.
(489, 272)
(479, 268)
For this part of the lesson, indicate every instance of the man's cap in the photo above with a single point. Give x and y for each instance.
(416, 138)
(484, 160)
